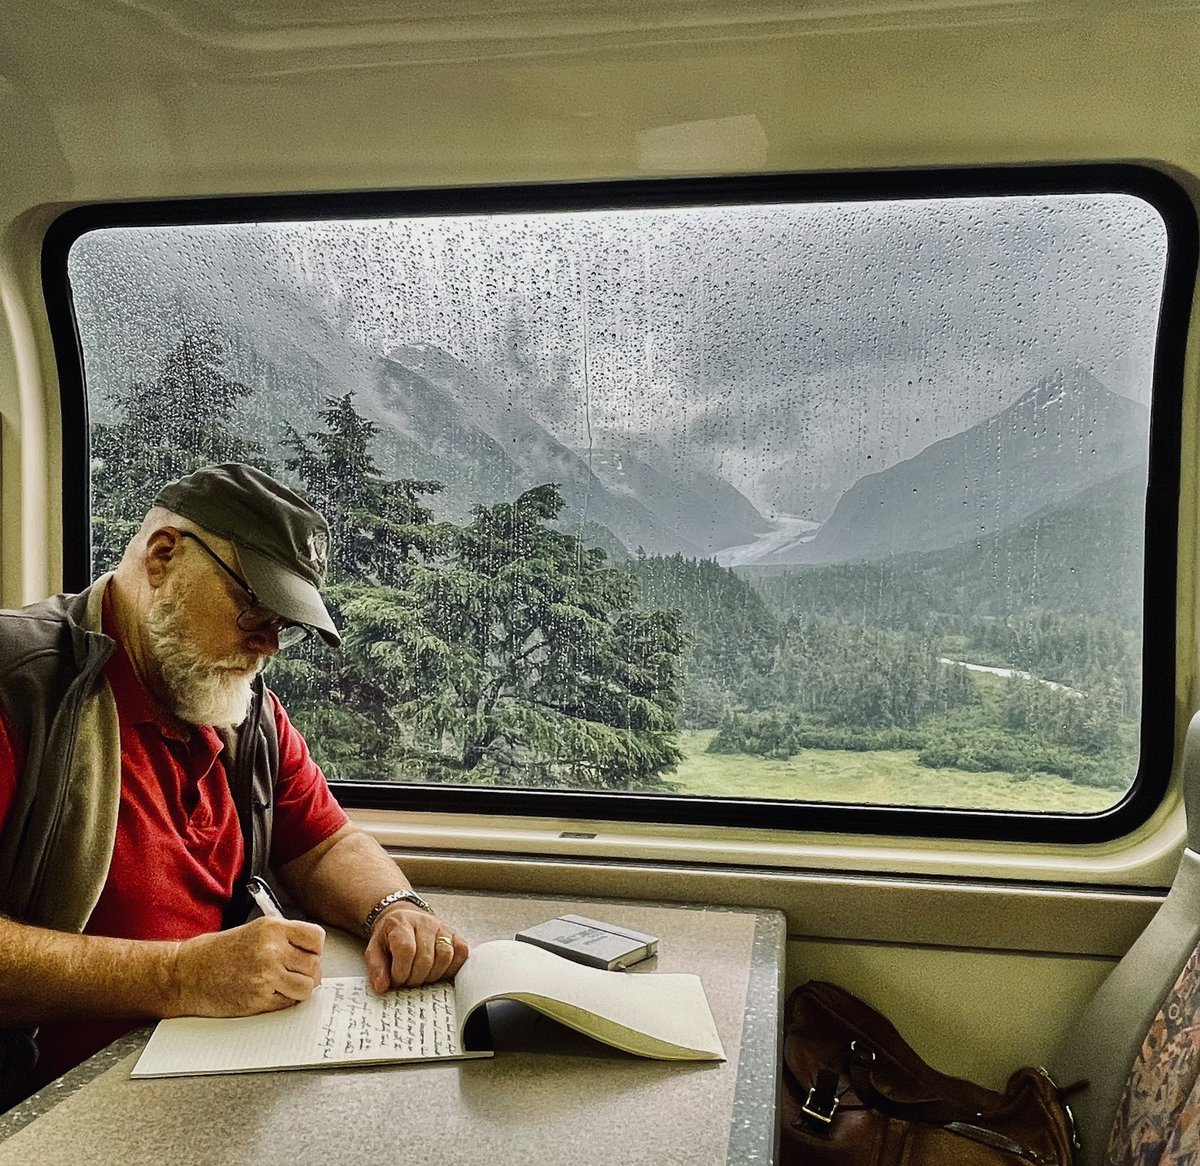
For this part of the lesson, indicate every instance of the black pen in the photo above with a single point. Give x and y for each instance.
(264, 898)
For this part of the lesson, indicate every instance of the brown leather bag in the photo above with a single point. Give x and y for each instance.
(855, 1094)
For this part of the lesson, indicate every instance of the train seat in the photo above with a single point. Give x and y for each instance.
(1103, 1043)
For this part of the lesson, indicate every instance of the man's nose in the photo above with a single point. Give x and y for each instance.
(263, 641)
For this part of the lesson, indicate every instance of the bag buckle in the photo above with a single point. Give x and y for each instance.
(822, 1101)
(812, 1108)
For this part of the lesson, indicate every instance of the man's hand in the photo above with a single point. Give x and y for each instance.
(340, 880)
(261, 966)
(409, 947)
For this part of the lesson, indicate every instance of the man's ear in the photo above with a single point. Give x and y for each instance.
(161, 549)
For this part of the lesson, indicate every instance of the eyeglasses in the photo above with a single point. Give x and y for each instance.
(287, 632)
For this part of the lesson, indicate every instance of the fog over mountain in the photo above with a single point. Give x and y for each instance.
(484, 449)
(1063, 436)
(788, 349)
(696, 379)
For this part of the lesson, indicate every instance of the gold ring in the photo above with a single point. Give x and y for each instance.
(441, 940)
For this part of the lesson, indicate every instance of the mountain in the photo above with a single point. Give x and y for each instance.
(441, 420)
(135, 301)
(1086, 555)
(702, 508)
(438, 418)
(1058, 439)
(485, 447)
(1082, 556)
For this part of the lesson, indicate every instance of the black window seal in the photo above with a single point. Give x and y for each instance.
(1158, 727)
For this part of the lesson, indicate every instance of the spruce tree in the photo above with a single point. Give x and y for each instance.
(377, 527)
(502, 651)
(519, 657)
(166, 427)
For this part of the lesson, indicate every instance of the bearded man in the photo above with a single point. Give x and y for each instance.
(146, 774)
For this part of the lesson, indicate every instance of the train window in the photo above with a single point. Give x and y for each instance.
(771, 506)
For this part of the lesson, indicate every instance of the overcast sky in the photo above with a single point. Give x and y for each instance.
(840, 338)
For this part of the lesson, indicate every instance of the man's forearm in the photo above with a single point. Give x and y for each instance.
(340, 882)
(53, 975)
(342, 879)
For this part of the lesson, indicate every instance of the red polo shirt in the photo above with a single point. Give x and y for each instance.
(178, 846)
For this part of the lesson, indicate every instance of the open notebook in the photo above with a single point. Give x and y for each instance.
(345, 1022)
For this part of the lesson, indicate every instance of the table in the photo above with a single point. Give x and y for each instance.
(548, 1096)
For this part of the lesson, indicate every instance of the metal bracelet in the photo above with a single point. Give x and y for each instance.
(387, 901)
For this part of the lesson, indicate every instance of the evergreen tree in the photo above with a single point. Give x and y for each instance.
(166, 427)
(733, 636)
(189, 403)
(378, 530)
(521, 658)
(377, 527)
(502, 651)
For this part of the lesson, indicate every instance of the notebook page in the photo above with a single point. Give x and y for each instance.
(343, 1022)
(663, 1014)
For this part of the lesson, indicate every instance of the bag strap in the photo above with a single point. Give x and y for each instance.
(931, 1110)
(846, 1014)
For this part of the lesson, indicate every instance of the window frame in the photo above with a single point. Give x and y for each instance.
(1158, 722)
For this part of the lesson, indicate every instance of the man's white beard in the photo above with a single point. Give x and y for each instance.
(201, 692)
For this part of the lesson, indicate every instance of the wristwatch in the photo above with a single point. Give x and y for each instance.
(390, 900)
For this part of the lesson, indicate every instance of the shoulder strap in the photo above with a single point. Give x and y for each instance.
(251, 766)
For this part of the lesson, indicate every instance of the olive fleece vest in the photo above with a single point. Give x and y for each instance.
(57, 841)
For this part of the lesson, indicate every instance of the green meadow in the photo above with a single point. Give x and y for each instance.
(885, 777)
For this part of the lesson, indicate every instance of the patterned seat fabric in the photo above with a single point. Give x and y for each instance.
(1158, 1120)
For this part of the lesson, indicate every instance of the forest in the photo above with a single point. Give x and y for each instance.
(505, 649)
